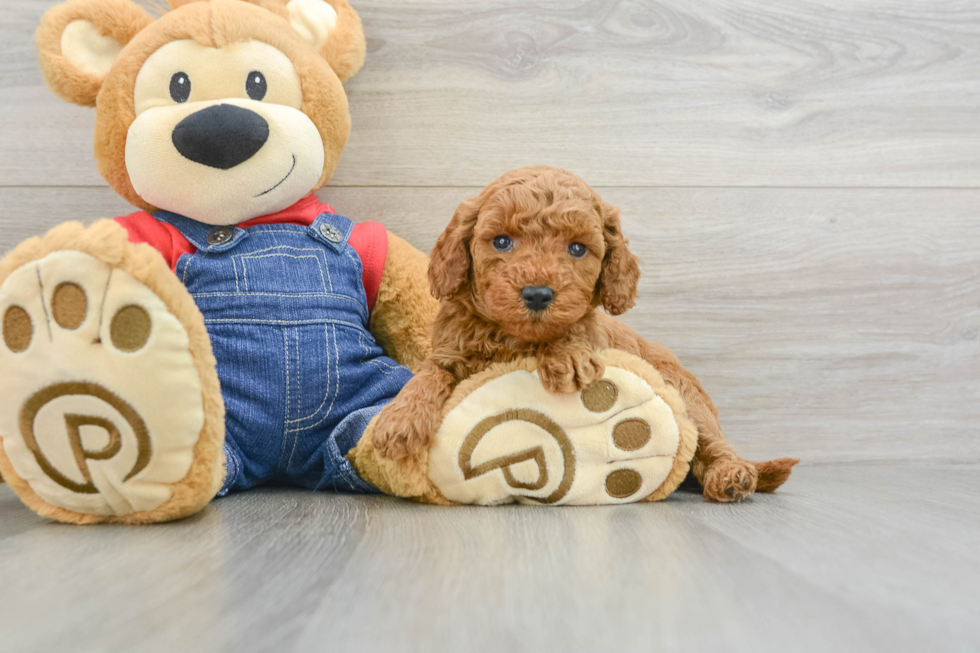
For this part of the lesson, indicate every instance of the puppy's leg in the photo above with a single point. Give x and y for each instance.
(722, 473)
(406, 426)
(569, 366)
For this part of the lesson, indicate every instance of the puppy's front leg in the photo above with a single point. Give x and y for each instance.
(406, 427)
(568, 365)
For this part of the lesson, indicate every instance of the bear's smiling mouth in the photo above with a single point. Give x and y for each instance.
(293, 167)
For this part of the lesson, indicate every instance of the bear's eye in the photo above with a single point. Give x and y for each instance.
(255, 85)
(578, 250)
(503, 243)
(180, 87)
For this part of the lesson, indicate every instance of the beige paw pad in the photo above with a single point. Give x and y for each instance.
(504, 438)
(84, 353)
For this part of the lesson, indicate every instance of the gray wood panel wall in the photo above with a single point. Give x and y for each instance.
(802, 180)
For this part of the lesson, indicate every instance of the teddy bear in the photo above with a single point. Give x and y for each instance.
(235, 331)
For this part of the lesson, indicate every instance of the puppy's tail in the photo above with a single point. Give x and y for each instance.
(773, 473)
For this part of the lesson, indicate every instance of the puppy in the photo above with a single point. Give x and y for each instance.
(521, 271)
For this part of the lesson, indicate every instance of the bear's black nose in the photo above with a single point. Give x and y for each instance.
(221, 136)
(537, 298)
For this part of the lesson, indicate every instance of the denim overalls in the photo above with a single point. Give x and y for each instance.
(300, 373)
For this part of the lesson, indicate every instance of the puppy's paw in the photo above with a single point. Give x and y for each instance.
(730, 480)
(398, 433)
(570, 370)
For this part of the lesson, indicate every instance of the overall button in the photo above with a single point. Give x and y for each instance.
(331, 233)
(220, 235)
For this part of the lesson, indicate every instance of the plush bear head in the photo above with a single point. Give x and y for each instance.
(220, 110)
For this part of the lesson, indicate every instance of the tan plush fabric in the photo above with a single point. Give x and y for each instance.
(405, 309)
(344, 48)
(119, 20)
(503, 438)
(189, 472)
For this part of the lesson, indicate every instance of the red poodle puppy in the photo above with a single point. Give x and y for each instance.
(521, 271)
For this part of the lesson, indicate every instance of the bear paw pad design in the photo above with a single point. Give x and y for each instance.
(625, 438)
(85, 350)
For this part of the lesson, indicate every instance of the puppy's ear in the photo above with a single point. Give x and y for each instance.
(79, 40)
(620, 275)
(449, 265)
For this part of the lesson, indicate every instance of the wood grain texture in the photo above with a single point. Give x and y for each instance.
(626, 92)
(834, 325)
(845, 558)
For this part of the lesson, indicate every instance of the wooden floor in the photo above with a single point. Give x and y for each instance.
(847, 558)
(802, 181)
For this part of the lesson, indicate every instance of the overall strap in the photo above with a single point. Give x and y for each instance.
(328, 229)
(205, 237)
(331, 230)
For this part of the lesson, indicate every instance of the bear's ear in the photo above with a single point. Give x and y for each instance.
(334, 29)
(78, 41)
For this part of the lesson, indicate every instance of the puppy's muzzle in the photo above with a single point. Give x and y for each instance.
(537, 298)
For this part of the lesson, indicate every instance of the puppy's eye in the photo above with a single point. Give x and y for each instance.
(578, 250)
(180, 87)
(255, 85)
(503, 243)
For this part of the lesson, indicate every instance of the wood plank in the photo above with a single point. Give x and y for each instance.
(654, 93)
(834, 325)
(843, 558)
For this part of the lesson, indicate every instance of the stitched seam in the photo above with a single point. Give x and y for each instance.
(282, 231)
(381, 365)
(105, 296)
(295, 433)
(329, 277)
(293, 256)
(285, 296)
(232, 472)
(315, 250)
(277, 227)
(44, 306)
(347, 471)
(322, 403)
(359, 268)
(299, 379)
(286, 322)
(336, 363)
(282, 447)
(234, 464)
(273, 294)
(312, 256)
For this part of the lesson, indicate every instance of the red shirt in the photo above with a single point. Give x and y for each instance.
(369, 239)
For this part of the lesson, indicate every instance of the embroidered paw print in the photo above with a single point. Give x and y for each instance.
(102, 399)
(616, 441)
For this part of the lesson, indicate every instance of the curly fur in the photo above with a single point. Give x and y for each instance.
(482, 318)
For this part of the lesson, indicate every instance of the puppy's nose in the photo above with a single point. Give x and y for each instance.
(537, 298)
(221, 136)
